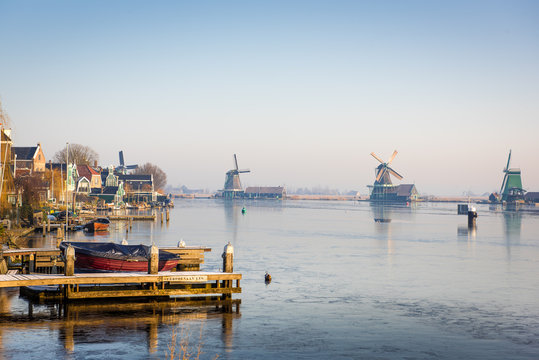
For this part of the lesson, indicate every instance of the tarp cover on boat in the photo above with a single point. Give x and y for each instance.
(116, 251)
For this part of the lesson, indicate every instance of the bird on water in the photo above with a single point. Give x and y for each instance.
(267, 278)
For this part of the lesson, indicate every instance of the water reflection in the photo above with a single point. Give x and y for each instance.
(512, 225)
(115, 321)
(232, 213)
(381, 212)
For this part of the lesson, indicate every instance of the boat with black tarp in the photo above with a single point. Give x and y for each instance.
(107, 256)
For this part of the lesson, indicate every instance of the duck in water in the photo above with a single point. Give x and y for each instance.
(267, 278)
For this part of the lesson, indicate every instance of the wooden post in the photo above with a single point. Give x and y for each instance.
(168, 215)
(228, 258)
(472, 216)
(130, 222)
(48, 224)
(31, 263)
(69, 266)
(44, 229)
(3, 266)
(153, 260)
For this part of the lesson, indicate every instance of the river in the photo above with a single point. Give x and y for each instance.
(350, 280)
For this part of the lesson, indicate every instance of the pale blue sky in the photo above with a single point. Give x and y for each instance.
(302, 91)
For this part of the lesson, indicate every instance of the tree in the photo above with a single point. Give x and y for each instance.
(159, 176)
(78, 154)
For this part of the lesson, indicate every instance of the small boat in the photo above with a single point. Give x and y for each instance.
(106, 256)
(99, 224)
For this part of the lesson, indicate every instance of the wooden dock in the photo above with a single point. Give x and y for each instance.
(86, 285)
(132, 284)
(47, 260)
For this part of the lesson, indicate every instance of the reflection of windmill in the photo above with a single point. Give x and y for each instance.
(123, 168)
(232, 182)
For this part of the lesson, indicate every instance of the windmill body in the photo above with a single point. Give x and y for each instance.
(511, 189)
(233, 188)
(123, 168)
(384, 190)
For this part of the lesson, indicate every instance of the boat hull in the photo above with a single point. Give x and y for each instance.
(90, 262)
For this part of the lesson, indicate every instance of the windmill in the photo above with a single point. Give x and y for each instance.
(511, 189)
(123, 168)
(383, 170)
(383, 189)
(232, 182)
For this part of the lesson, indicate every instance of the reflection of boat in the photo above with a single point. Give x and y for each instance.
(115, 257)
(99, 224)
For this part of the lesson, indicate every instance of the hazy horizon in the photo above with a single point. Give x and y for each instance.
(301, 91)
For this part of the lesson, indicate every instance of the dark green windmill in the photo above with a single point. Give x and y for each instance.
(511, 189)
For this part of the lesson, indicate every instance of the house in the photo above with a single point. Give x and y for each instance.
(394, 193)
(26, 160)
(532, 197)
(137, 187)
(265, 192)
(87, 179)
(8, 193)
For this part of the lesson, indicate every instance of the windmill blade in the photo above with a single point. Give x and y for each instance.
(380, 173)
(236, 161)
(376, 157)
(392, 157)
(394, 173)
(503, 182)
(244, 171)
(508, 160)
(121, 158)
(131, 167)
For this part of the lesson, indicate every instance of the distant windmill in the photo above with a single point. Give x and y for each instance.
(384, 190)
(383, 170)
(512, 183)
(123, 168)
(232, 181)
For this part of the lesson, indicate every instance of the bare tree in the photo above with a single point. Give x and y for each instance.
(159, 176)
(78, 154)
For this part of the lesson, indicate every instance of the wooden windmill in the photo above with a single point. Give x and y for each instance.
(383, 189)
(233, 186)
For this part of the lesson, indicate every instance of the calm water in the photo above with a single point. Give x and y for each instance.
(417, 285)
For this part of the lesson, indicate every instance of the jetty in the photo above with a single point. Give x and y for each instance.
(47, 273)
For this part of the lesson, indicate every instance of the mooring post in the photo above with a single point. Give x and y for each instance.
(130, 222)
(153, 261)
(472, 217)
(3, 266)
(228, 258)
(69, 266)
(168, 215)
(161, 217)
(44, 229)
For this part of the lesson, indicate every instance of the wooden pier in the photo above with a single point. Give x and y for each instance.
(72, 286)
(47, 260)
(132, 284)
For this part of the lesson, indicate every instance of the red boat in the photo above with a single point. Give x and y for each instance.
(115, 257)
(99, 224)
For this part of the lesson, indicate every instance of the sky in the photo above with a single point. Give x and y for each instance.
(301, 91)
